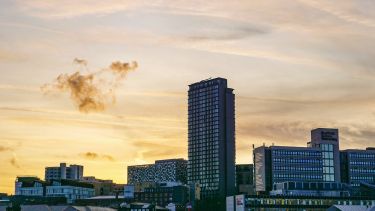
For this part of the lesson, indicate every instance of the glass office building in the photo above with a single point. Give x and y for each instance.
(296, 164)
(358, 166)
(277, 164)
(211, 137)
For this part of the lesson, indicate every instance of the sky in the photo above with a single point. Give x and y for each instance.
(294, 65)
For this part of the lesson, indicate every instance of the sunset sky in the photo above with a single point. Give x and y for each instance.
(294, 64)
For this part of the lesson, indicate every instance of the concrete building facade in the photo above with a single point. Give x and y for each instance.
(327, 139)
(72, 172)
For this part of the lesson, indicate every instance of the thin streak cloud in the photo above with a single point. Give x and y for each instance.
(334, 10)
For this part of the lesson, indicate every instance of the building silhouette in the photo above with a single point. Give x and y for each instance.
(211, 137)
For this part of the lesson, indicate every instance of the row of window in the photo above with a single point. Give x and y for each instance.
(295, 153)
(287, 161)
(204, 149)
(327, 155)
(202, 114)
(362, 171)
(202, 100)
(362, 156)
(206, 125)
(207, 104)
(363, 163)
(326, 147)
(363, 178)
(329, 177)
(204, 87)
(293, 168)
(278, 176)
(328, 170)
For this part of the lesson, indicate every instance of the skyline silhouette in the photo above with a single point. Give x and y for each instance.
(295, 66)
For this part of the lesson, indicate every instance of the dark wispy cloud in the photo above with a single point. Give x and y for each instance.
(95, 156)
(4, 148)
(150, 151)
(14, 162)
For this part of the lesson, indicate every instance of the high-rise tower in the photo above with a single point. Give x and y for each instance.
(211, 137)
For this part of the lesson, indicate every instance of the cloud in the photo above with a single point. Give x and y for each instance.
(344, 10)
(11, 56)
(91, 92)
(71, 8)
(33, 27)
(4, 149)
(150, 151)
(14, 162)
(95, 156)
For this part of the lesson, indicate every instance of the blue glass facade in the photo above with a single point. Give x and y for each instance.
(277, 164)
(296, 164)
(358, 166)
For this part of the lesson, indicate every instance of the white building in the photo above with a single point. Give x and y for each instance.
(29, 186)
(71, 190)
(72, 172)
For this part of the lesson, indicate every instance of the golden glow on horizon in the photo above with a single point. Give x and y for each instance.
(294, 65)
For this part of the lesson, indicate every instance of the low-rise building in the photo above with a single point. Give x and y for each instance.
(319, 189)
(70, 189)
(164, 193)
(170, 170)
(102, 187)
(29, 186)
(244, 179)
(321, 203)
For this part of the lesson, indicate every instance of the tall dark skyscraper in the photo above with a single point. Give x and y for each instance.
(211, 137)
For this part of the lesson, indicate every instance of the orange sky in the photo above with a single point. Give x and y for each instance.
(294, 65)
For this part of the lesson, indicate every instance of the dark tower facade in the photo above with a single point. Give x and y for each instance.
(211, 137)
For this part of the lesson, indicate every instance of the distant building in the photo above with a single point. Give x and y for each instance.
(164, 193)
(72, 172)
(301, 202)
(244, 178)
(327, 139)
(170, 170)
(102, 187)
(70, 189)
(63, 208)
(351, 207)
(358, 166)
(211, 137)
(321, 189)
(29, 186)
